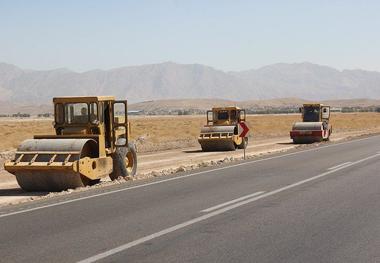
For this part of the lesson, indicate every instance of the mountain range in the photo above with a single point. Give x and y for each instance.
(191, 81)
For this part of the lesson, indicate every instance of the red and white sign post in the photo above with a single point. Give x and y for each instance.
(243, 131)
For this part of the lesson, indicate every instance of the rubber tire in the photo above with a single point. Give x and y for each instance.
(244, 143)
(119, 168)
(93, 182)
(132, 150)
(328, 138)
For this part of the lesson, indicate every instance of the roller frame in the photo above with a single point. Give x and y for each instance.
(57, 164)
(218, 138)
(309, 132)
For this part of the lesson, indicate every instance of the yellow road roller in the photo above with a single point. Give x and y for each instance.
(315, 125)
(91, 141)
(221, 131)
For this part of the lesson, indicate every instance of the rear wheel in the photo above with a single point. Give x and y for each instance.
(124, 161)
(90, 182)
(328, 136)
(244, 143)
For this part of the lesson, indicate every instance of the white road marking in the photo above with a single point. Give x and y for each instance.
(338, 166)
(231, 202)
(180, 177)
(212, 214)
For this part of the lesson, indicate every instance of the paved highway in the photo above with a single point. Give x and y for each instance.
(321, 204)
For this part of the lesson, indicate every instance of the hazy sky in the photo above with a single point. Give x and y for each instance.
(228, 35)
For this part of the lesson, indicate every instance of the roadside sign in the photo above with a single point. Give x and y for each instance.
(243, 129)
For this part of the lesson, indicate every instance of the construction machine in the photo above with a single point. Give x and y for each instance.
(221, 131)
(91, 141)
(315, 126)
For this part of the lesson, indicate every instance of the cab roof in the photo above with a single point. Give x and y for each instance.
(313, 104)
(228, 108)
(83, 99)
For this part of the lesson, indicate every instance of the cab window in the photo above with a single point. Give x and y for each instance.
(94, 112)
(59, 113)
(100, 111)
(311, 114)
(233, 115)
(76, 113)
(223, 115)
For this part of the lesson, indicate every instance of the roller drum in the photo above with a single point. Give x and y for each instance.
(218, 129)
(57, 175)
(306, 132)
(217, 138)
(217, 145)
(308, 126)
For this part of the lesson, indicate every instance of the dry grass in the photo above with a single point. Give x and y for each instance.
(179, 131)
(12, 132)
(168, 128)
(161, 129)
(279, 125)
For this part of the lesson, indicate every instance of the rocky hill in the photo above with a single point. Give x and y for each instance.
(177, 81)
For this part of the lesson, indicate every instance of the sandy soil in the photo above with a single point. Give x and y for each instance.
(168, 144)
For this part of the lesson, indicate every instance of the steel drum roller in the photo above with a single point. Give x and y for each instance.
(47, 164)
(308, 126)
(218, 129)
(217, 138)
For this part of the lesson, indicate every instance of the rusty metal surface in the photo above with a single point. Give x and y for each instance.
(49, 180)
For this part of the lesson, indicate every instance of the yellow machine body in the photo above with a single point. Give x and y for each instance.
(221, 131)
(82, 150)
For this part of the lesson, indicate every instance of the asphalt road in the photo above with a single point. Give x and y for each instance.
(316, 205)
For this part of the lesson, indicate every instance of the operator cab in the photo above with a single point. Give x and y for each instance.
(315, 113)
(91, 117)
(311, 113)
(76, 113)
(225, 116)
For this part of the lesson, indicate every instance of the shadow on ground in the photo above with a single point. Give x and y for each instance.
(192, 151)
(18, 191)
(285, 143)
